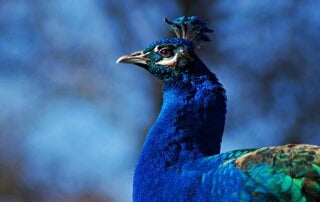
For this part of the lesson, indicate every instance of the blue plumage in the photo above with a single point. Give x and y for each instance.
(180, 159)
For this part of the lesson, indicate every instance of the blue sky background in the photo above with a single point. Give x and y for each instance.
(72, 122)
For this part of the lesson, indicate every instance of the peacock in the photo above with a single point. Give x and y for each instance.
(181, 159)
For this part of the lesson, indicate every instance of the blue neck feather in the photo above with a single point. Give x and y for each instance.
(189, 126)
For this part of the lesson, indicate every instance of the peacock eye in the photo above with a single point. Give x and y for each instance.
(166, 52)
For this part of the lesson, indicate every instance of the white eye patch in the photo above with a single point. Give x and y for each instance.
(171, 61)
(156, 49)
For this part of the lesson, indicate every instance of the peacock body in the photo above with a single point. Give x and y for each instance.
(181, 160)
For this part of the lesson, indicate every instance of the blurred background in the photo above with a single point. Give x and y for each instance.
(72, 122)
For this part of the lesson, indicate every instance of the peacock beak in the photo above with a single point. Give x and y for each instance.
(137, 58)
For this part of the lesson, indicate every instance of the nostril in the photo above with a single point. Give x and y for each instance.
(137, 53)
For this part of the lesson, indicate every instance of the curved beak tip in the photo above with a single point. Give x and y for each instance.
(134, 58)
(121, 59)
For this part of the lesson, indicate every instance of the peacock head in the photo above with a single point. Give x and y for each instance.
(166, 58)
(169, 58)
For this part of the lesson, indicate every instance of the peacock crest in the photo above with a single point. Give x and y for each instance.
(190, 28)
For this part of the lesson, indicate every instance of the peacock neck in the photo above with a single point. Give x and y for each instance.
(190, 126)
(191, 121)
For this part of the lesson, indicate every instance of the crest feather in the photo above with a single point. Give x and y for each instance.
(190, 28)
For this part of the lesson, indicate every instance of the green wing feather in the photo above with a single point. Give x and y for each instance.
(286, 173)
